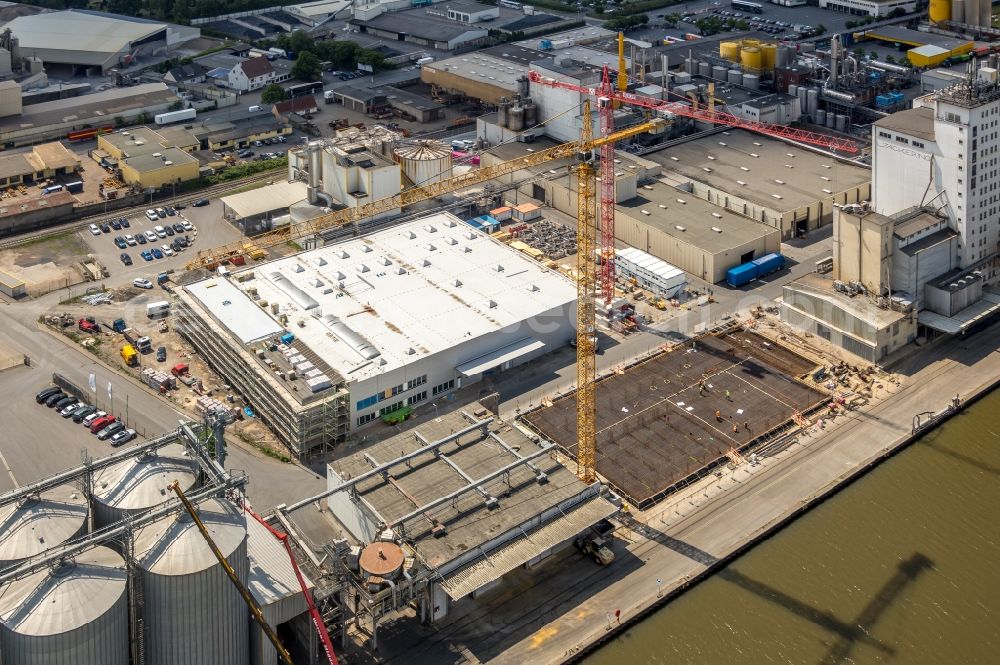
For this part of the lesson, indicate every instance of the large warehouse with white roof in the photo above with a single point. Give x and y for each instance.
(327, 341)
(83, 38)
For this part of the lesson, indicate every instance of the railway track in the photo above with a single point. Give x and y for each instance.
(83, 222)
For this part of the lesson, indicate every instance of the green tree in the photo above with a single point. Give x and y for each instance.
(820, 29)
(181, 12)
(890, 59)
(306, 67)
(273, 94)
(859, 53)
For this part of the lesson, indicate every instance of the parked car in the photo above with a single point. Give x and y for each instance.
(95, 230)
(258, 143)
(89, 419)
(161, 353)
(180, 206)
(120, 242)
(157, 253)
(46, 393)
(130, 240)
(169, 230)
(105, 228)
(83, 412)
(99, 424)
(200, 203)
(166, 250)
(115, 224)
(142, 283)
(146, 255)
(68, 410)
(177, 245)
(125, 223)
(54, 397)
(178, 228)
(141, 239)
(110, 431)
(280, 139)
(151, 215)
(61, 404)
(126, 259)
(122, 437)
(161, 213)
(171, 211)
(159, 231)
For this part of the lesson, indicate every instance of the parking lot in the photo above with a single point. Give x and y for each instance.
(209, 230)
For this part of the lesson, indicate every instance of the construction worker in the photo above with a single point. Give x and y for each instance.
(728, 396)
(736, 429)
(718, 415)
(746, 425)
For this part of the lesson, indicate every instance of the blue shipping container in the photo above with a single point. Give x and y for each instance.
(769, 263)
(53, 189)
(74, 187)
(287, 338)
(741, 275)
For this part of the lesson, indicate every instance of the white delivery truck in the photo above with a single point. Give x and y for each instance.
(157, 309)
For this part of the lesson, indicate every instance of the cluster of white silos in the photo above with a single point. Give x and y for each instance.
(424, 162)
(78, 609)
(517, 114)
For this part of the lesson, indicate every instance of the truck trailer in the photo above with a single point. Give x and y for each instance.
(174, 116)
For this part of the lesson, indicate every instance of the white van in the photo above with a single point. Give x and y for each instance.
(155, 309)
(256, 109)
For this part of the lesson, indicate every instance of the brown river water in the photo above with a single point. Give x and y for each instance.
(901, 567)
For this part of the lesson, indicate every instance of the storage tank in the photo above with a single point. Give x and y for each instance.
(735, 76)
(812, 97)
(793, 90)
(784, 55)
(841, 123)
(705, 69)
(424, 162)
(751, 58)
(719, 73)
(972, 11)
(769, 55)
(503, 112)
(516, 119)
(940, 10)
(38, 523)
(192, 611)
(140, 482)
(985, 13)
(530, 113)
(751, 81)
(75, 611)
(820, 117)
(831, 120)
(803, 105)
(730, 51)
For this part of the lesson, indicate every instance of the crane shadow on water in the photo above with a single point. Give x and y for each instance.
(847, 634)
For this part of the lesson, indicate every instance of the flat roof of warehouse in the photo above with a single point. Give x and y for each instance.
(470, 523)
(91, 38)
(97, 107)
(726, 159)
(895, 33)
(401, 294)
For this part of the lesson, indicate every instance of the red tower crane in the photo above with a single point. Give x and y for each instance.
(607, 95)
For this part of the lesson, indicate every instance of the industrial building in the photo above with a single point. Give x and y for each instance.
(374, 326)
(70, 596)
(929, 50)
(686, 231)
(778, 184)
(373, 101)
(488, 75)
(878, 8)
(83, 40)
(655, 424)
(49, 160)
(253, 211)
(470, 497)
(48, 121)
(150, 158)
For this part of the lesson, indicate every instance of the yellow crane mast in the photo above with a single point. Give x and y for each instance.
(585, 152)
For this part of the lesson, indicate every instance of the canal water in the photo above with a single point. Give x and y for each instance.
(902, 567)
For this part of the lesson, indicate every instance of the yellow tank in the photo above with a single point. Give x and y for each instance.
(940, 10)
(769, 55)
(751, 58)
(747, 43)
(730, 51)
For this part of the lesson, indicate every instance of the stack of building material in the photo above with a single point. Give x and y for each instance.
(204, 405)
(158, 380)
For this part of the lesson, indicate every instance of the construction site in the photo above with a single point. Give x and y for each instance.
(672, 418)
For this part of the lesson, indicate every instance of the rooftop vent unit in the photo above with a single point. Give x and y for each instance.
(430, 228)
(362, 267)
(823, 177)
(157, 154)
(343, 254)
(318, 283)
(430, 247)
(717, 229)
(366, 249)
(457, 282)
(400, 270)
(384, 261)
(409, 235)
(451, 241)
(450, 223)
(777, 196)
(790, 154)
(663, 206)
(297, 268)
(780, 182)
(492, 304)
(341, 275)
(711, 157)
(498, 267)
(645, 212)
(319, 261)
(740, 182)
(722, 143)
(679, 227)
(716, 215)
(533, 288)
(681, 201)
(410, 351)
(471, 235)
(706, 169)
(167, 162)
(425, 262)
(743, 168)
(757, 143)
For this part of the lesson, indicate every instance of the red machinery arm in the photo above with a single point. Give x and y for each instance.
(721, 117)
(313, 612)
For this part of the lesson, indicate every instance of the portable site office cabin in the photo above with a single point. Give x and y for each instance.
(155, 309)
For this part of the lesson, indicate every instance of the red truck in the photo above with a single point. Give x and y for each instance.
(88, 324)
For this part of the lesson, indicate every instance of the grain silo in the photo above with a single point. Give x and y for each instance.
(769, 53)
(751, 58)
(37, 523)
(192, 611)
(424, 162)
(138, 483)
(75, 611)
(730, 51)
